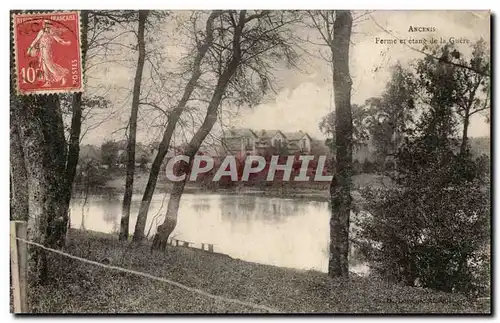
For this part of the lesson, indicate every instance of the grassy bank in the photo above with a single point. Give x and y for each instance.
(76, 287)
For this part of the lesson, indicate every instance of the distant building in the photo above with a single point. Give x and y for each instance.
(242, 141)
(270, 139)
(298, 141)
(250, 142)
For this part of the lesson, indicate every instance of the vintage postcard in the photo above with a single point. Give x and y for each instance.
(250, 161)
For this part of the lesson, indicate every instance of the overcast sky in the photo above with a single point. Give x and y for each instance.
(305, 96)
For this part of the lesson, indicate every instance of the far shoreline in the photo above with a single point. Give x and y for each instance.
(319, 193)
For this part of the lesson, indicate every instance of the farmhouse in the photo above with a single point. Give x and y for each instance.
(255, 142)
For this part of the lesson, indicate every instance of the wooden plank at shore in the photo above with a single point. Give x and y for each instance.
(183, 243)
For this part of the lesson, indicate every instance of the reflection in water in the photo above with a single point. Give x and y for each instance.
(201, 205)
(281, 232)
(110, 215)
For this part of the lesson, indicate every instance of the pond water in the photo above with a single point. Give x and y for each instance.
(275, 231)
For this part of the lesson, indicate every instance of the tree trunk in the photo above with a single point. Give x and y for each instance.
(164, 230)
(41, 131)
(340, 188)
(463, 146)
(18, 175)
(129, 182)
(467, 113)
(76, 119)
(167, 135)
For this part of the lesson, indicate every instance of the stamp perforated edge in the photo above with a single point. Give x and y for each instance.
(14, 39)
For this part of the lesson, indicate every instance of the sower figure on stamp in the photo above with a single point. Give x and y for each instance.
(42, 45)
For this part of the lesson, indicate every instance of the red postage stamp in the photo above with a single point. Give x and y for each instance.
(48, 53)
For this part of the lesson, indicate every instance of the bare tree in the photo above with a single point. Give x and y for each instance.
(76, 122)
(173, 118)
(132, 126)
(244, 49)
(77, 107)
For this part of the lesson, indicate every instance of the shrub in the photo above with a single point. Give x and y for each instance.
(432, 231)
(356, 167)
(368, 167)
(389, 165)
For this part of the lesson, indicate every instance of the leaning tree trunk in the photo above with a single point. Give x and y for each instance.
(129, 181)
(164, 230)
(41, 133)
(172, 122)
(340, 188)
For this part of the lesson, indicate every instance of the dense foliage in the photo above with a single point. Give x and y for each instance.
(433, 228)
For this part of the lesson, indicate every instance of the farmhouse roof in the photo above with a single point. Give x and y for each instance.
(297, 135)
(266, 134)
(238, 133)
